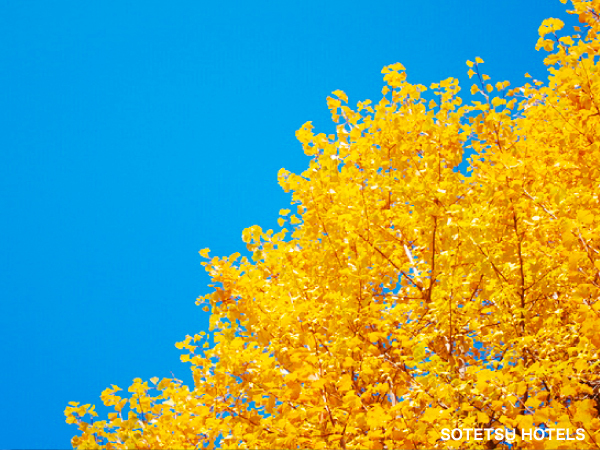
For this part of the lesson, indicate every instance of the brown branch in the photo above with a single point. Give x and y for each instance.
(432, 279)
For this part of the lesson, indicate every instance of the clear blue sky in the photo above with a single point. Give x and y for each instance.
(133, 134)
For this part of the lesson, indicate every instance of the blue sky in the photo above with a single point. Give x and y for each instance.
(133, 134)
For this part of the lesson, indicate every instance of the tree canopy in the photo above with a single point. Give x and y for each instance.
(401, 297)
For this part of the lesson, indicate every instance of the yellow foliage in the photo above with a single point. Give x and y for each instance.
(407, 297)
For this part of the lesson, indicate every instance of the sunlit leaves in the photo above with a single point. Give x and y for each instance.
(406, 297)
(550, 25)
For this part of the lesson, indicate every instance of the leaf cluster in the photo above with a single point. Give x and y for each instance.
(401, 297)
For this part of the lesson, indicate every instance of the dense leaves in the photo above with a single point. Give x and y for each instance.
(404, 297)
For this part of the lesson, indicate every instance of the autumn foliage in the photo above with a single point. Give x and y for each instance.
(404, 297)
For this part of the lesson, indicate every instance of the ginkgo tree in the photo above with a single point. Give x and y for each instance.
(401, 297)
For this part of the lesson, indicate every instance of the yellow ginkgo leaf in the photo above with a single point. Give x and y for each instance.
(341, 95)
